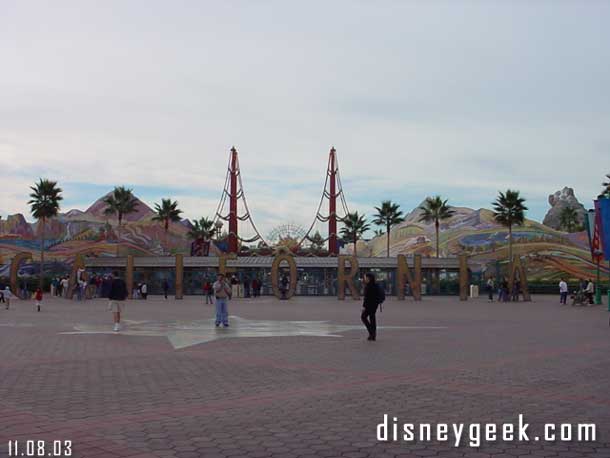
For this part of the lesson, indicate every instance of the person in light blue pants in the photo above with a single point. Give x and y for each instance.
(222, 291)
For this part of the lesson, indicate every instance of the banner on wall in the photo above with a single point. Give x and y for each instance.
(603, 210)
(200, 247)
(596, 242)
(589, 225)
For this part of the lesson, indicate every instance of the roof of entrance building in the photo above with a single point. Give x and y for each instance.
(264, 262)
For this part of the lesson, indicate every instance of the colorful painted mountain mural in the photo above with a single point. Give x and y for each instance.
(549, 253)
(89, 233)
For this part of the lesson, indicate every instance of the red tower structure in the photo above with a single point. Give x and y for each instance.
(333, 190)
(234, 190)
(233, 171)
(333, 247)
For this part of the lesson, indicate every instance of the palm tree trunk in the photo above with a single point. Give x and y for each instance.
(41, 277)
(436, 224)
(166, 229)
(388, 227)
(437, 276)
(510, 249)
(118, 236)
(355, 242)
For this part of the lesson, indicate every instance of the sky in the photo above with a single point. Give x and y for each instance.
(457, 98)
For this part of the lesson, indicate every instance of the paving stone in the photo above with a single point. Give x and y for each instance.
(136, 396)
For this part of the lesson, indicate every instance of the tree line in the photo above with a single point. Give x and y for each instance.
(508, 210)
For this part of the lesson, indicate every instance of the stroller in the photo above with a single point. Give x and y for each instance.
(579, 298)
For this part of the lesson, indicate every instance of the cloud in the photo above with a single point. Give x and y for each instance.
(458, 99)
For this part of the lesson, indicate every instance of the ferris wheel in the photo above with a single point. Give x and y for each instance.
(288, 231)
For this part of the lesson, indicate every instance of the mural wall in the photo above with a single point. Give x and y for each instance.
(91, 233)
(549, 253)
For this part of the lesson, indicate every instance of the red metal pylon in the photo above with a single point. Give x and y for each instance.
(234, 190)
(332, 190)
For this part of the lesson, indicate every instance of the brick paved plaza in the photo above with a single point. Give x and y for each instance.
(168, 387)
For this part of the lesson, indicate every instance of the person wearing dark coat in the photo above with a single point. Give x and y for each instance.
(165, 288)
(372, 299)
(116, 299)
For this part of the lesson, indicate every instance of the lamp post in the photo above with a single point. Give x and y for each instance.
(218, 227)
(598, 289)
(608, 286)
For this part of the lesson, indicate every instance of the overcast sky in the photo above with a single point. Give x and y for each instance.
(423, 97)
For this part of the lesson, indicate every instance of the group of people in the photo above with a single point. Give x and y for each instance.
(141, 291)
(245, 288)
(585, 292)
(505, 291)
(60, 286)
(113, 287)
(374, 296)
(85, 287)
(6, 295)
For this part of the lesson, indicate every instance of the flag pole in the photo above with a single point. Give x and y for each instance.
(598, 284)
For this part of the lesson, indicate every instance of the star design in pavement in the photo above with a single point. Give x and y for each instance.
(186, 334)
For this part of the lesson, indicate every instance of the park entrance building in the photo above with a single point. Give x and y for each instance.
(316, 276)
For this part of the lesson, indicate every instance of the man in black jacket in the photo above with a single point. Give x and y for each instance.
(116, 299)
(372, 298)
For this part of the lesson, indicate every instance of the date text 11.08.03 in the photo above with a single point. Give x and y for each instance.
(40, 448)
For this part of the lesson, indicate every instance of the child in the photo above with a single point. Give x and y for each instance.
(207, 289)
(7, 297)
(38, 298)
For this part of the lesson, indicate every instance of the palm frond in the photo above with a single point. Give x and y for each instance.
(435, 209)
(44, 199)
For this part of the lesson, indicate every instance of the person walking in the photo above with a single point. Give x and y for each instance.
(98, 286)
(38, 298)
(504, 289)
(516, 290)
(284, 282)
(255, 287)
(563, 292)
(373, 297)
(234, 286)
(116, 299)
(165, 288)
(246, 286)
(222, 291)
(209, 292)
(590, 291)
(65, 287)
(499, 290)
(490, 289)
(7, 297)
(144, 290)
(23, 289)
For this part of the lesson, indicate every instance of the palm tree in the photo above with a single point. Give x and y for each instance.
(378, 232)
(120, 202)
(203, 228)
(509, 210)
(388, 215)
(317, 242)
(167, 212)
(354, 225)
(568, 219)
(44, 205)
(436, 209)
(606, 184)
